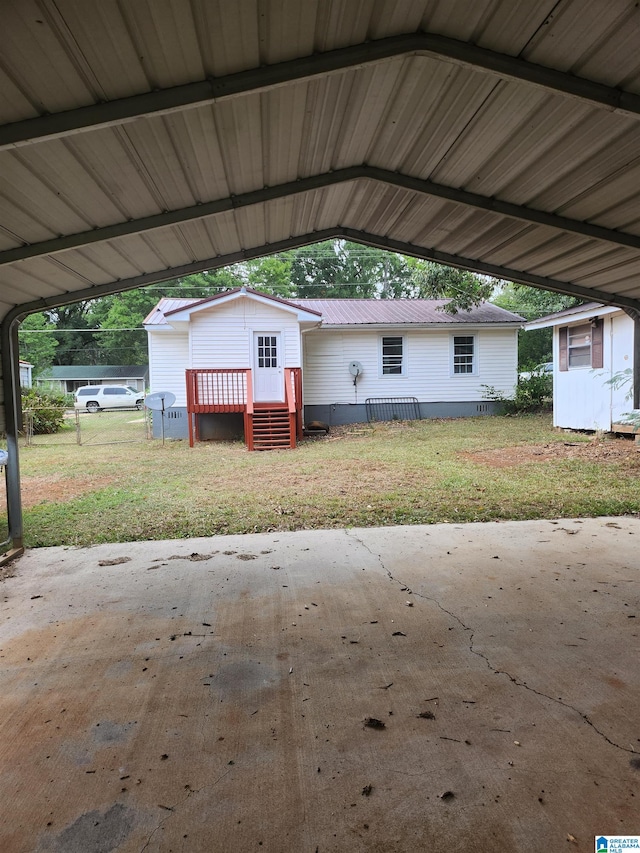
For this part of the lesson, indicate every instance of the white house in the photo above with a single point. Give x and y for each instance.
(268, 364)
(591, 344)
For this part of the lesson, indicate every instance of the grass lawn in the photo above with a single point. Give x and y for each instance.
(422, 472)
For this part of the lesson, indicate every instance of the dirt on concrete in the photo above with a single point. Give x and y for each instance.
(150, 701)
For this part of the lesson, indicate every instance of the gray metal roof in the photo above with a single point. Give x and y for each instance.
(361, 312)
(358, 312)
(142, 141)
(586, 310)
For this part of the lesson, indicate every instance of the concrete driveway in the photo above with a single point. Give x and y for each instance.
(444, 688)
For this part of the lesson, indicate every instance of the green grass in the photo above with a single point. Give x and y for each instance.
(414, 473)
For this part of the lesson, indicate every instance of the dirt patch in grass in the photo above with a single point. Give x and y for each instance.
(57, 488)
(609, 450)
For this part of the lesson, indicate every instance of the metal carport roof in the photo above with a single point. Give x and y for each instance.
(141, 141)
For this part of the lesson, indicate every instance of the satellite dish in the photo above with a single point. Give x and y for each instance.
(355, 368)
(160, 400)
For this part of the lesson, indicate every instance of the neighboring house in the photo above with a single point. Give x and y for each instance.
(591, 343)
(26, 369)
(69, 378)
(244, 360)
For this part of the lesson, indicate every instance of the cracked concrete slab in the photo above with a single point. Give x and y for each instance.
(211, 694)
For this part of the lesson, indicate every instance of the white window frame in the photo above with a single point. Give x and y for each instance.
(452, 349)
(403, 357)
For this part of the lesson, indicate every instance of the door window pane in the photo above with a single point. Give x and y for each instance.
(267, 351)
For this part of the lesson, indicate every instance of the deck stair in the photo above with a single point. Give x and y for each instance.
(272, 428)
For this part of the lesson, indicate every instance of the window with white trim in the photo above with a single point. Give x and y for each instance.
(392, 356)
(464, 355)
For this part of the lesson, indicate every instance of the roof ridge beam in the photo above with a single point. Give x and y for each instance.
(190, 95)
(302, 185)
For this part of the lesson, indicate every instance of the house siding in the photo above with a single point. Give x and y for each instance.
(168, 360)
(582, 398)
(428, 366)
(223, 336)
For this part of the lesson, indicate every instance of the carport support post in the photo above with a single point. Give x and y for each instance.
(636, 359)
(634, 313)
(12, 412)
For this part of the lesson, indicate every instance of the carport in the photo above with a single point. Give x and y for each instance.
(140, 142)
(143, 141)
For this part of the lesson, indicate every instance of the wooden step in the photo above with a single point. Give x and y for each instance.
(271, 428)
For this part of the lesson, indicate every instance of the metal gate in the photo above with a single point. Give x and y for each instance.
(115, 426)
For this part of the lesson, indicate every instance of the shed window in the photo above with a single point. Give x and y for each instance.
(464, 351)
(392, 356)
(581, 345)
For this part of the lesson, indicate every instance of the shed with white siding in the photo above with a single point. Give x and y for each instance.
(402, 349)
(592, 344)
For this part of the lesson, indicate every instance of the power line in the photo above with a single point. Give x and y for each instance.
(91, 331)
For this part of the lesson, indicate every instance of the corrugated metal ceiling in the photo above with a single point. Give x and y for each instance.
(464, 149)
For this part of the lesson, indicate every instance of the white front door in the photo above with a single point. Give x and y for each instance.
(268, 377)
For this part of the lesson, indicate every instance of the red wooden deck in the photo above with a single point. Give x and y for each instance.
(267, 426)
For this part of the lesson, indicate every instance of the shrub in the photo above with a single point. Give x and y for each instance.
(45, 409)
(532, 394)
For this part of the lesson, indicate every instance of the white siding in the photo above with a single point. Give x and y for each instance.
(428, 360)
(25, 375)
(582, 399)
(223, 335)
(168, 360)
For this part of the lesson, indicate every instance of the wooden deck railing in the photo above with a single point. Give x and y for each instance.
(223, 390)
(293, 390)
(219, 390)
(290, 400)
(248, 414)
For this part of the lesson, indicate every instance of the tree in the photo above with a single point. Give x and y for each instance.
(37, 344)
(205, 283)
(74, 333)
(465, 289)
(342, 270)
(272, 275)
(124, 313)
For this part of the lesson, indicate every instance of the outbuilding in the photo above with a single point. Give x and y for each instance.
(593, 348)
